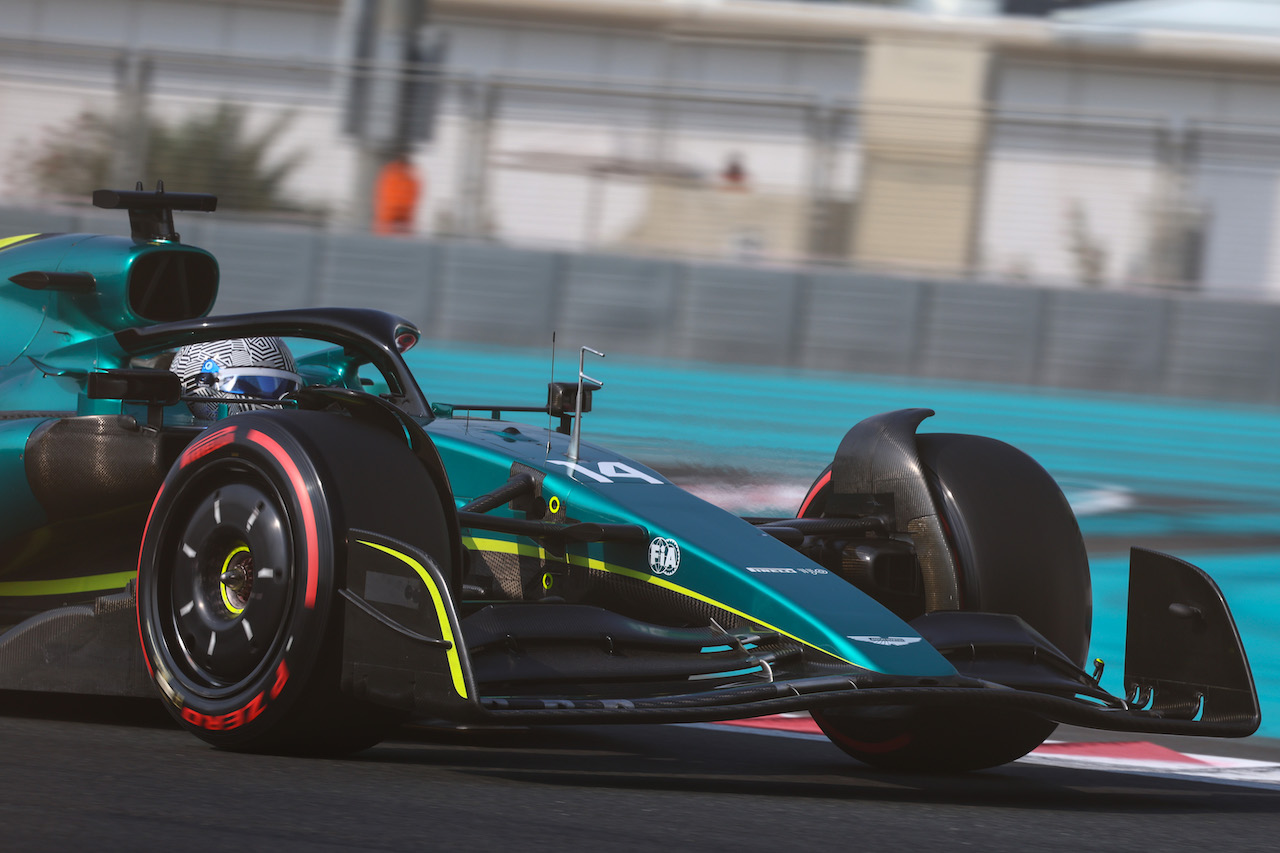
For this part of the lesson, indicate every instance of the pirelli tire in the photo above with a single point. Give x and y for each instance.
(240, 567)
(1018, 549)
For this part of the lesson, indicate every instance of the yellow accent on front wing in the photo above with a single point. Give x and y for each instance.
(114, 582)
(446, 633)
(503, 546)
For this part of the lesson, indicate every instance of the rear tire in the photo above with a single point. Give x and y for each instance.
(240, 566)
(1018, 550)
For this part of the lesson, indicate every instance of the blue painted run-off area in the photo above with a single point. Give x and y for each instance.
(1198, 479)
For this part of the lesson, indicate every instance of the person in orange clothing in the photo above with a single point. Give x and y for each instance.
(395, 196)
(734, 176)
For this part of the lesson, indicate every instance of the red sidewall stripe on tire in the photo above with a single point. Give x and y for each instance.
(137, 584)
(206, 445)
(883, 747)
(304, 501)
(813, 493)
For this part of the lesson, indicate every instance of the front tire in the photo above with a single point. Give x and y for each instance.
(1018, 550)
(240, 565)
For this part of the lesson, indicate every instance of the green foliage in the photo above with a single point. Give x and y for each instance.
(212, 152)
(78, 160)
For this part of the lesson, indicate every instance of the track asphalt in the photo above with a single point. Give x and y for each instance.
(114, 776)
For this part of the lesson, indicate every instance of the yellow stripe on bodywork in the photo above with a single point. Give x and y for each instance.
(446, 633)
(502, 546)
(93, 583)
(6, 242)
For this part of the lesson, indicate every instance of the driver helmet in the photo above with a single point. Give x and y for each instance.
(259, 368)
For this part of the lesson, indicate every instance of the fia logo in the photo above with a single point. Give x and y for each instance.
(664, 556)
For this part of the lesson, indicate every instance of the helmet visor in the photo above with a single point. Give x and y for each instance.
(262, 383)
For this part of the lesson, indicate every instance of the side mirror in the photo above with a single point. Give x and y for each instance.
(153, 387)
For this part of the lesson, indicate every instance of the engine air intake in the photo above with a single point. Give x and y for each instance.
(172, 285)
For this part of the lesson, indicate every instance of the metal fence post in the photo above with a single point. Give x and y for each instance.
(481, 100)
(821, 123)
(133, 80)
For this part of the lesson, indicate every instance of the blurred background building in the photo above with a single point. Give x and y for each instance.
(1068, 193)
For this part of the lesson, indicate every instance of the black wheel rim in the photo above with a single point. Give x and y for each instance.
(226, 601)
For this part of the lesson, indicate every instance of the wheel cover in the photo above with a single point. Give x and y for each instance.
(225, 605)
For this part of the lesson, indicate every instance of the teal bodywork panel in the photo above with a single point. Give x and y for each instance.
(723, 560)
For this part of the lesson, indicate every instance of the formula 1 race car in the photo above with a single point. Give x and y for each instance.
(300, 555)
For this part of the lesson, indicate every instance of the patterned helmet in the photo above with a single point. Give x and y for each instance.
(259, 368)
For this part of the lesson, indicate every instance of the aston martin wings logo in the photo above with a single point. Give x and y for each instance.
(886, 641)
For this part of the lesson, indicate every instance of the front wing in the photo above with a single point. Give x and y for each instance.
(1186, 671)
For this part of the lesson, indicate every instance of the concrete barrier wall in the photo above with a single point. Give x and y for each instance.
(1177, 344)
